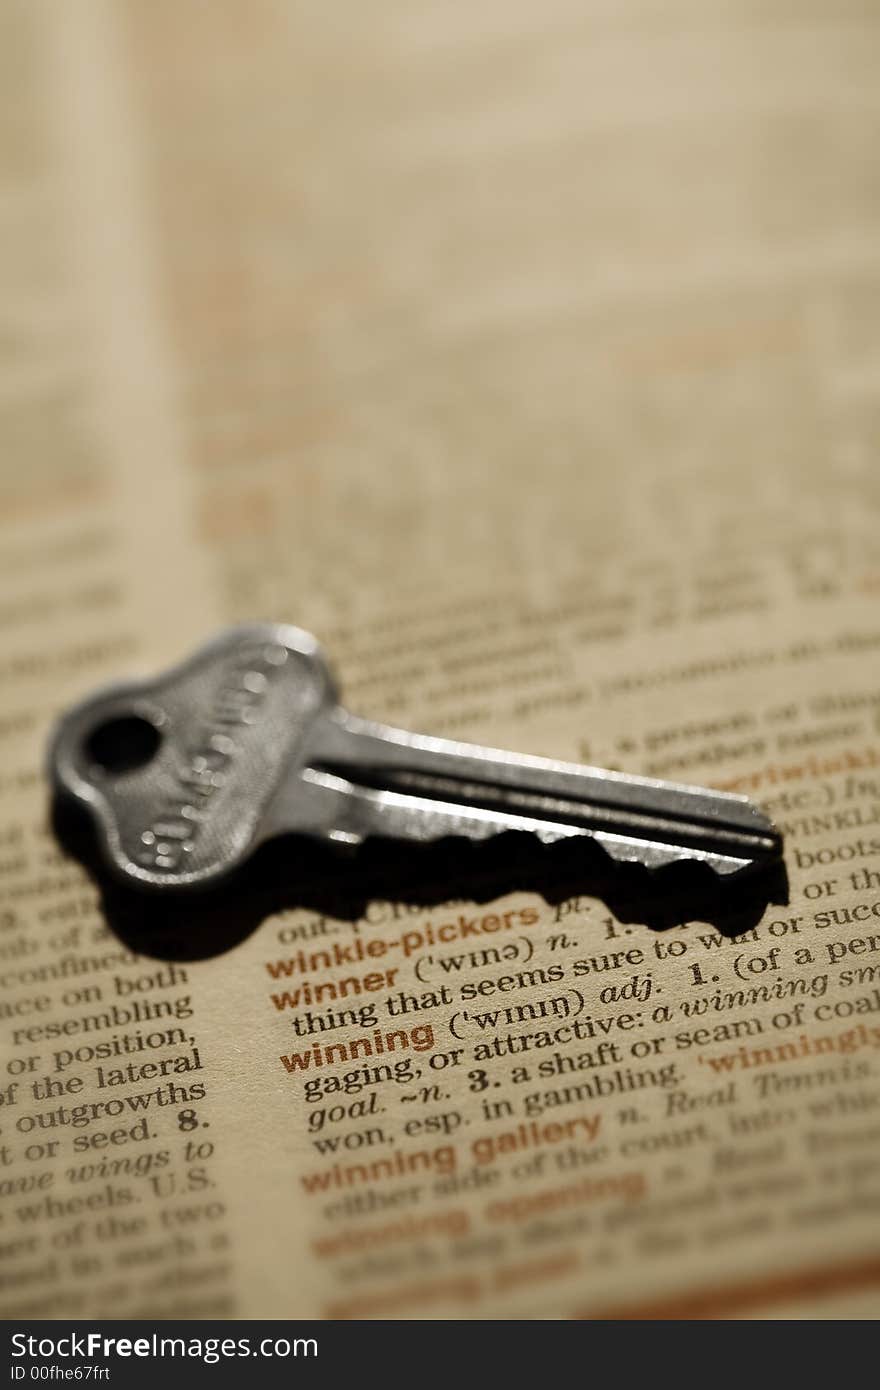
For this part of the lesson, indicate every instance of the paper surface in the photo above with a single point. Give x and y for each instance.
(527, 355)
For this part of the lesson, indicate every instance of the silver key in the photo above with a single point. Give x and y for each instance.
(187, 774)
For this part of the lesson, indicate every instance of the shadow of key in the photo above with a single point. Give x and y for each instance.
(296, 871)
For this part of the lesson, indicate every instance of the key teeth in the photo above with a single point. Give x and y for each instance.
(718, 866)
(663, 896)
(655, 858)
(612, 856)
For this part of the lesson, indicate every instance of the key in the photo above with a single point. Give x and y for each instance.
(185, 775)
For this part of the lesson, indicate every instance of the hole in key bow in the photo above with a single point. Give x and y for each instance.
(123, 744)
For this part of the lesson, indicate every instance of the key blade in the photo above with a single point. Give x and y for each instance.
(386, 772)
(353, 813)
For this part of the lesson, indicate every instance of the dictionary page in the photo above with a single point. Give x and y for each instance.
(527, 355)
